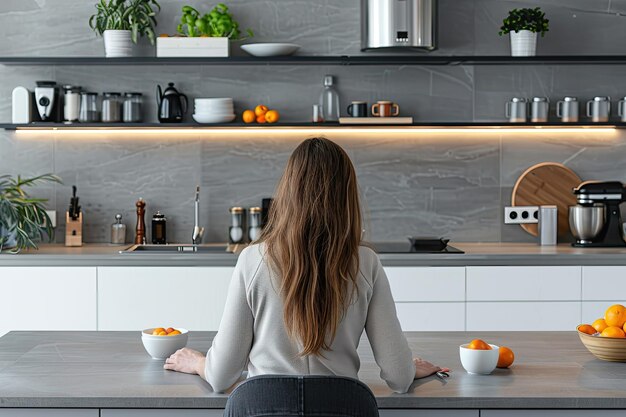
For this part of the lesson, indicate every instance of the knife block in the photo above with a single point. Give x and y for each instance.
(73, 230)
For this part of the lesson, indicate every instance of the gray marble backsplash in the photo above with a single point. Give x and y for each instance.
(450, 184)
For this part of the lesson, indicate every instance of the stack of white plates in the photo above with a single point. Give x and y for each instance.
(214, 110)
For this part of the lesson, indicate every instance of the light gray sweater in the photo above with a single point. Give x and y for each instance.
(252, 330)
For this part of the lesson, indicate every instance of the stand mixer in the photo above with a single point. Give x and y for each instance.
(596, 220)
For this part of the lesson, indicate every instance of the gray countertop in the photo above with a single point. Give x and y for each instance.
(475, 254)
(111, 370)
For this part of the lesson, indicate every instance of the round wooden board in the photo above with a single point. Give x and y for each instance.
(548, 183)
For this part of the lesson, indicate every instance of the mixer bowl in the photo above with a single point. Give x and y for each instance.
(586, 222)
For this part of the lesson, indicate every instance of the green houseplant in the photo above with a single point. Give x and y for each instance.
(203, 35)
(121, 22)
(523, 25)
(23, 219)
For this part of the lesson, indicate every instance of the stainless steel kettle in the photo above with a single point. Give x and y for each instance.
(172, 104)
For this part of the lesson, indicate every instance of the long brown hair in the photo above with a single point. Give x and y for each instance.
(312, 239)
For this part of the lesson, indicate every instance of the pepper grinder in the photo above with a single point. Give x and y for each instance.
(140, 230)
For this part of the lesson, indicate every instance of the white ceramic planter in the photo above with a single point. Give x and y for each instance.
(523, 43)
(192, 47)
(117, 43)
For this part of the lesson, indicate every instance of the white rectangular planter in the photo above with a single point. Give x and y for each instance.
(192, 47)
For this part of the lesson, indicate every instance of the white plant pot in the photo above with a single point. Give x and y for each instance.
(117, 43)
(523, 43)
(192, 47)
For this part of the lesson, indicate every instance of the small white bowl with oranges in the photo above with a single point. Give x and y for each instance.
(480, 357)
(161, 342)
(605, 338)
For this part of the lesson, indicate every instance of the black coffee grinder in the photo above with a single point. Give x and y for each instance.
(607, 195)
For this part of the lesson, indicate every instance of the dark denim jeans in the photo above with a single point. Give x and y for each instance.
(310, 395)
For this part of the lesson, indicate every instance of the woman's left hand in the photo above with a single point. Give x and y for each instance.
(186, 360)
(424, 368)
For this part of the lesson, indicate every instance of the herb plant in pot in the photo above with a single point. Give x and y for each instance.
(207, 35)
(23, 219)
(122, 22)
(523, 25)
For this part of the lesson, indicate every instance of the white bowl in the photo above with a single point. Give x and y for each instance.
(479, 361)
(161, 347)
(215, 108)
(211, 118)
(213, 100)
(270, 49)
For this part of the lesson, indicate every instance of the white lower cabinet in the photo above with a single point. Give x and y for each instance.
(133, 298)
(49, 412)
(429, 413)
(523, 316)
(134, 412)
(430, 317)
(48, 298)
(604, 283)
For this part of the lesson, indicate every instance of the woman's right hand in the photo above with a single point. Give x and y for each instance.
(424, 368)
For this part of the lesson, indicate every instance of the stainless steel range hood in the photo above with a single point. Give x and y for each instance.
(396, 24)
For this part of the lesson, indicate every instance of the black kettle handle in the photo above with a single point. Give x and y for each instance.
(159, 95)
(185, 102)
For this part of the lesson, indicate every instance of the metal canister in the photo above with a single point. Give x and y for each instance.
(539, 109)
(159, 229)
(237, 226)
(599, 109)
(516, 110)
(254, 223)
(548, 225)
(567, 110)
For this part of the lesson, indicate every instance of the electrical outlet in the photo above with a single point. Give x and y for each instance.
(53, 217)
(521, 214)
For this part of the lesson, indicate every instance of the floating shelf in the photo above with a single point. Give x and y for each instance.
(303, 125)
(421, 59)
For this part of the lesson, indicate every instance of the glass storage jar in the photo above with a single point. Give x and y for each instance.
(131, 112)
(111, 107)
(89, 112)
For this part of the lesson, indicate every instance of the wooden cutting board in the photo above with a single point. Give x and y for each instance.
(548, 183)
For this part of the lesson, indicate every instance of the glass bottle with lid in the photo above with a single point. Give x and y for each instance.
(71, 103)
(118, 231)
(329, 100)
(254, 223)
(89, 107)
(236, 229)
(111, 107)
(131, 111)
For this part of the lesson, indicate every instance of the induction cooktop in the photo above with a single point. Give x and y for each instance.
(406, 247)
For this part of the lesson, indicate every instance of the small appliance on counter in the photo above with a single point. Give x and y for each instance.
(48, 101)
(74, 222)
(399, 24)
(417, 245)
(172, 104)
(596, 220)
(159, 229)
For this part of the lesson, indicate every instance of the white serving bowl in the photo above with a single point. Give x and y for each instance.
(477, 361)
(211, 118)
(161, 347)
(270, 49)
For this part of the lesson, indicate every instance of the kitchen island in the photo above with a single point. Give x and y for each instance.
(111, 370)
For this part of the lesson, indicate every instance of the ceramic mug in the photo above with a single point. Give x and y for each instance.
(385, 109)
(357, 109)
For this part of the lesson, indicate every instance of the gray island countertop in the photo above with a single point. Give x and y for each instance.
(112, 370)
(476, 254)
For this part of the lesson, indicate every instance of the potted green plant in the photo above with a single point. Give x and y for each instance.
(207, 35)
(23, 219)
(122, 22)
(523, 25)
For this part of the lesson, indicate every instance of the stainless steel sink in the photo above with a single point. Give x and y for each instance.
(178, 248)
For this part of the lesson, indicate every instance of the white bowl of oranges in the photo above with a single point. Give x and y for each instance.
(480, 357)
(161, 342)
(605, 338)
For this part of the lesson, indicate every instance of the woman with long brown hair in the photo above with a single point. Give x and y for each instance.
(302, 295)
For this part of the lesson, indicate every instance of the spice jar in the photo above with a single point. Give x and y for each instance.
(111, 107)
(235, 231)
(131, 112)
(89, 107)
(254, 223)
(159, 229)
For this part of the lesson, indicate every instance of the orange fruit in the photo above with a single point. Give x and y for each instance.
(169, 330)
(613, 331)
(158, 330)
(173, 333)
(260, 110)
(586, 328)
(261, 119)
(624, 328)
(272, 116)
(478, 345)
(248, 116)
(506, 357)
(599, 325)
(615, 316)
(163, 333)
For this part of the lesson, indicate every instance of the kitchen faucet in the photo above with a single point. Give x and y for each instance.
(198, 231)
